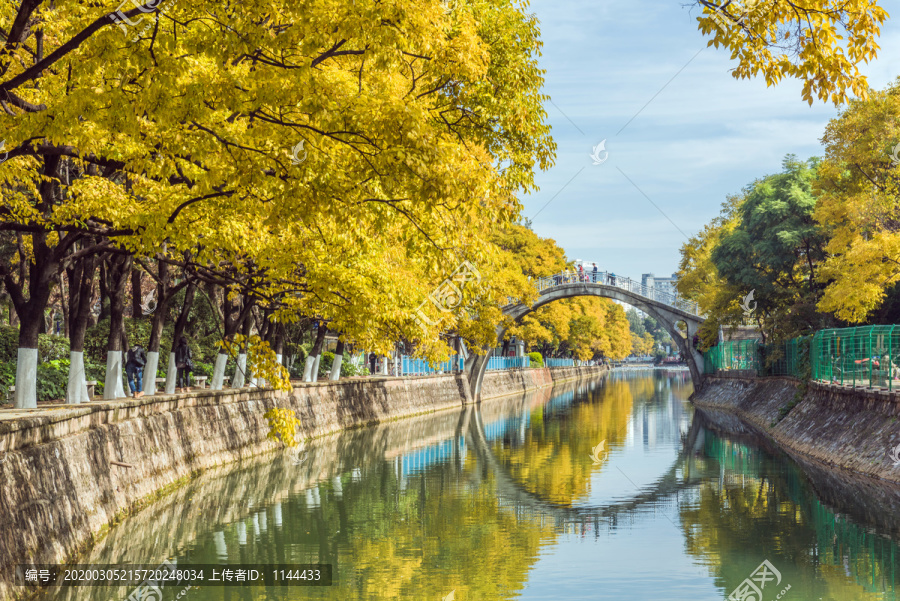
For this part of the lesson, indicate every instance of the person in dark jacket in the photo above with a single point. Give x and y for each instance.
(185, 364)
(134, 369)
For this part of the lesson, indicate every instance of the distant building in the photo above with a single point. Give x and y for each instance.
(663, 287)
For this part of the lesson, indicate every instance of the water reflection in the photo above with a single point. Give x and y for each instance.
(504, 501)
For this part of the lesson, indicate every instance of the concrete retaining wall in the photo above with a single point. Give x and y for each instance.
(853, 429)
(59, 487)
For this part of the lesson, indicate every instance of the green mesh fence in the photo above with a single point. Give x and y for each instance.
(733, 355)
(861, 356)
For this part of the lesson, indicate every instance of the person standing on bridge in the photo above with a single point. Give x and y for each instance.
(580, 273)
(594, 277)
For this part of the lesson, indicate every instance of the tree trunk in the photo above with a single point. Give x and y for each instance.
(64, 306)
(42, 270)
(104, 292)
(157, 323)
(81, 289)
(312, 361)
(137, 311)
(234, 317)
(266, 331)
(118, 269)
(338, 358)
(180, 324)
(240, 370)
(164, 293)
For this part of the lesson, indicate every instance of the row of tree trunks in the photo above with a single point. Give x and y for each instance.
(78, 256)
(311, 368)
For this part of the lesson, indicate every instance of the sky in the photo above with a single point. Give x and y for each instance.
(681, 132)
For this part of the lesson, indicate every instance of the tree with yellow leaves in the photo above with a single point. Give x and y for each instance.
(820, 42)
(389, 143)
(859, 192)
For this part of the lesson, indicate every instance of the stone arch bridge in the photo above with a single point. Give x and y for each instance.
(667, 309)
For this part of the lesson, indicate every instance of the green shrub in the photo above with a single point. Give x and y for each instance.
(52, 380)
(536, 359)
(9, 344)
(205, 349)
(96, 339)
(7, 377)
(203, 369)
(97, 373)
(327, 362)
(52, 348)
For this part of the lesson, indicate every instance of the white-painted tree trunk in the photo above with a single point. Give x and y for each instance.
(219, 372)
(254, 381)
(307, 368)
(150, 369)
(384, 365)
(238, 380)
(221, 546)
(113, 387)
(315, 371)
(171, 375)
(76, 391)
(26, 378)
(276, 510)
(279, 359)
(336, 367)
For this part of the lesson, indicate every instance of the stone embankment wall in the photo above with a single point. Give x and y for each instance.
(854, 429)
(61, 482)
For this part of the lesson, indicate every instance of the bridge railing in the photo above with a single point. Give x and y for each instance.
(609, 279)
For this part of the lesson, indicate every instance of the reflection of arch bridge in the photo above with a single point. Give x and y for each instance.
(514, 494)
(666, 309)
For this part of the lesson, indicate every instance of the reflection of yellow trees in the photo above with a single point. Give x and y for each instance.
(641, 388)
(454, 539)
(749, 515)
(555, 460)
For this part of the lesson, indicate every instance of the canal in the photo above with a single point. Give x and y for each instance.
(610, 489)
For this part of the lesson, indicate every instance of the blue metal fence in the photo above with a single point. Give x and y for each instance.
(410, 366)
(559, 362)
(508, 362)
(418, 367)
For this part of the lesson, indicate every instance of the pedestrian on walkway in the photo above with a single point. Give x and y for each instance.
(580, 273)
(595, 274)
(184, 363)
(372, 359)
(134, 369)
